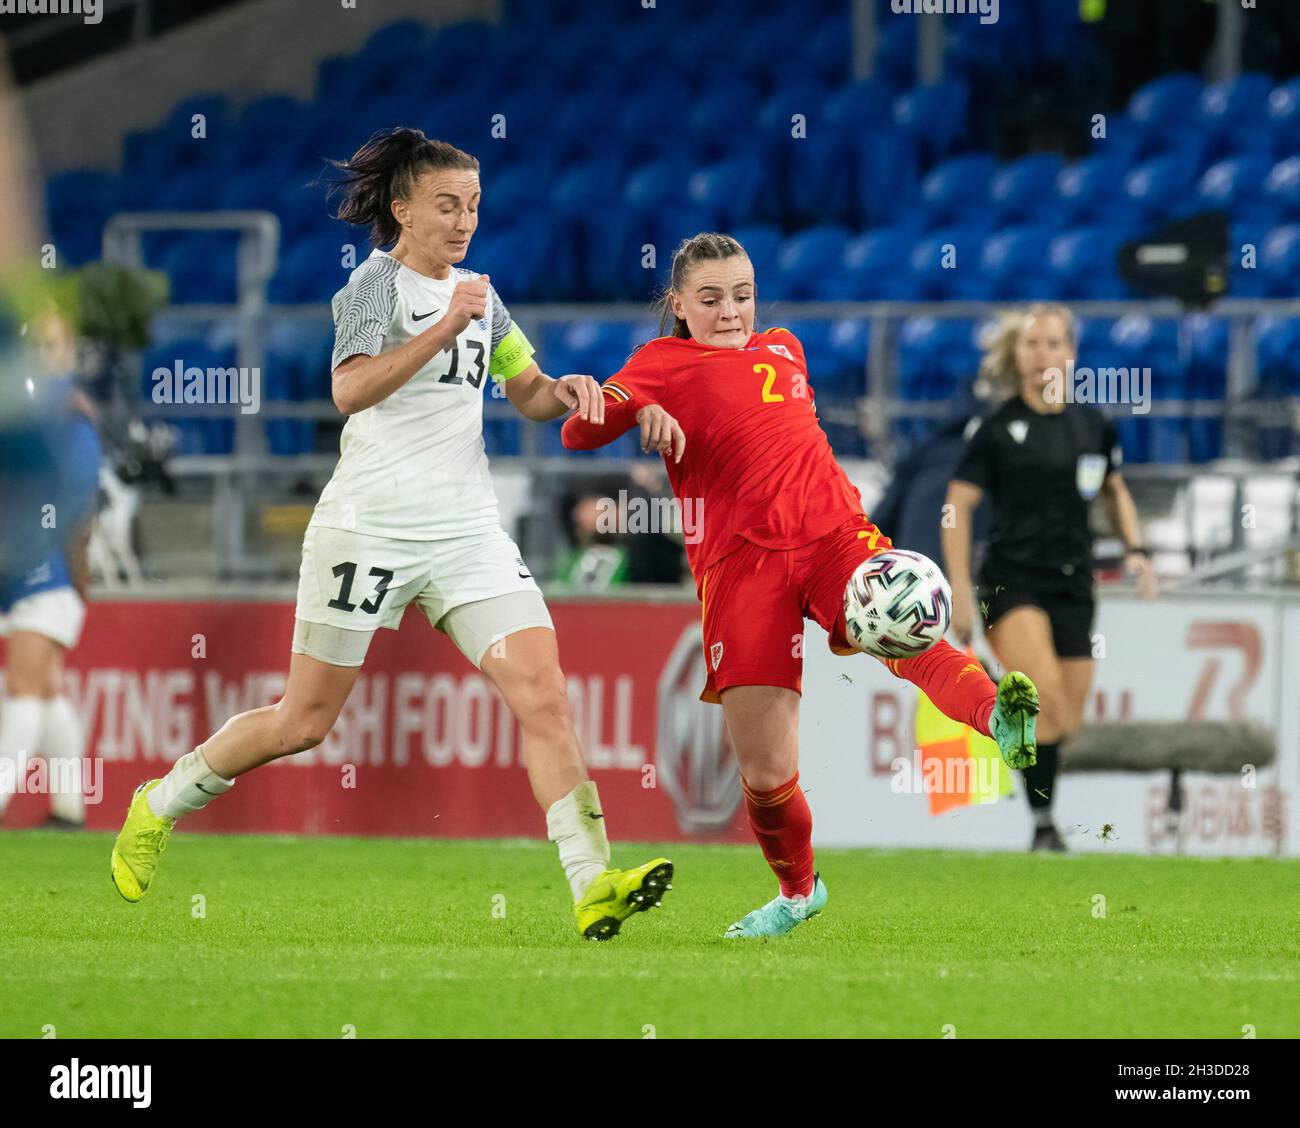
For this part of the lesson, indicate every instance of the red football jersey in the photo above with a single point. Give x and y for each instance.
(757, 464)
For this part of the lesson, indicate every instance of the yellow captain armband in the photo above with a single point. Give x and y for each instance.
(511, 356)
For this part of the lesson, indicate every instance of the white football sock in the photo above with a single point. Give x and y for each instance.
(20, 734)
(61, 745)
(576, 825)
(190, 786)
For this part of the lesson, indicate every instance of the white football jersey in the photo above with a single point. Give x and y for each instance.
(413, 467)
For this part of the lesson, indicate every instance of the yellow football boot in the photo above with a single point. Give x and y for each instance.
(142, 839)
(616, 894)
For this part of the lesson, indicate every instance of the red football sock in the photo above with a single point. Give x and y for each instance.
(956, 683)
(782, 823)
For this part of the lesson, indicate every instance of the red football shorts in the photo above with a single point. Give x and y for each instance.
(756, 599)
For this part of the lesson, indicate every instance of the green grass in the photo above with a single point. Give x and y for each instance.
(303, 936)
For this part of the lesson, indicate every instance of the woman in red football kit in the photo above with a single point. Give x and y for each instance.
(774, 531)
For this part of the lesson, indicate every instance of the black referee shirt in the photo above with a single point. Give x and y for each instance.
(1040, 473)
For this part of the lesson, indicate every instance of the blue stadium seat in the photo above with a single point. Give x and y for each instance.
(1236, 186)
(1014, 264)
(298, 359)
(1141, 342)
(814, 336)
(935, 116)
(194, 190)
(1090, 188)
(1094, 340)
(1025, 189)
(767, 38)
(955, 188)
(886, 169)
(1234, 115)
(922, 373)
(466, 44)
(200, 264)
(78, 204)
(729, 189)
(1277, 356)
(406, 43)
(1162, 104)
(896, 50)
(595, 347)
(820, 186)
(149, 155)
(944, 263)
(1207, 369)
(587, 187)
(1149, 342)
(762, 243)
(1284, 114)
(650, 186)
(271, 132)
(822, 54)
(875, 265)
(1161, 188)
(518, 258)
(847, 344)
(1282, 190)
(804, 260)
(1207, 355)
(699, 137)
(963, 351)
(1125, 141)
(1279, 261)
(311, 270)
(861, 107)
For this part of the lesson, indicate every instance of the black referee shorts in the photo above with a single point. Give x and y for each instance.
(1070, 613)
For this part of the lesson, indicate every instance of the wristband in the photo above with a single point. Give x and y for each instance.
(1140, 550)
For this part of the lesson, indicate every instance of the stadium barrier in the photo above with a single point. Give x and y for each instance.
(424, 746)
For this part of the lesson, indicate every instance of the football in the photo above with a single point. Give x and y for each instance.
(897, 605)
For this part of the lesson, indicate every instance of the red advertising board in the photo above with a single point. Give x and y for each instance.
(424, 746)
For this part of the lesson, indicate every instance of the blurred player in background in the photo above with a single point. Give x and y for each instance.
(49, 466)
(781, 533)
(410, 517)
(50, 475)
(1041, 460)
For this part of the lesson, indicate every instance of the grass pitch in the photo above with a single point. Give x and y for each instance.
(311, 937)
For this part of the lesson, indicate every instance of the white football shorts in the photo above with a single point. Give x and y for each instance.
(476, 589)
(57, 614)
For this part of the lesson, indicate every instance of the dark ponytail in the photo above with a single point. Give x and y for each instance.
(701, 247)
(385, 169)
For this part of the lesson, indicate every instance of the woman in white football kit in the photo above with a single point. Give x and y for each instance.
(410, 517)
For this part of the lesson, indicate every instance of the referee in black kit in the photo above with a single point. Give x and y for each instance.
(1041, 461)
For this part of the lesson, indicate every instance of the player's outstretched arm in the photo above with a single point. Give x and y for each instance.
(660, 432)
(538, 397)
